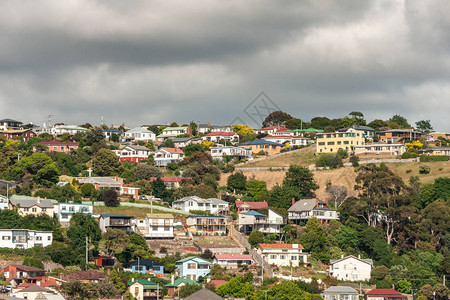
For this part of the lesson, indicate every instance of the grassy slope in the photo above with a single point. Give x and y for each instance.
(303, 158)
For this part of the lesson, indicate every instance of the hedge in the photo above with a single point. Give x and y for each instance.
(425, 158)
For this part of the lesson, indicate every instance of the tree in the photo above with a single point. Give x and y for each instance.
(314, 239)
(256, 188)
(377, 124)
(82, 226)
(294, 123)
(110, 198)
(159, 188)
(87, 190)
(138, 245)
(144, 171)
(189, 289)
(106, 163)
(114, 240)
(401, 121)
(94, 135)
(424, 126)
(276, 118)
(242, 130)
(320, 122)
(168, 144)
(236, 182)
(33, 262)
(255, 238)
(356, 114)
(192, 148)
(235, 287)
(337, 194)
(302, 182)
(40, 166)
(442, 188)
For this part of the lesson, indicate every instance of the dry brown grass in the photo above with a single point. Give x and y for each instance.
(346, 176)
(303, 158)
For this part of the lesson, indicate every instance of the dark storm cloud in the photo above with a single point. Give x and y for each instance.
(157, 61)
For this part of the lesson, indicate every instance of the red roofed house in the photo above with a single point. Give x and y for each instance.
(15, 134)
(269, 130)
(242, 206)
(216, 283)
(87, 276)
(133, 153)
(384, 294)
(19, 272)
(171, 182)
(57, 146)
(283, 254)
(232, 260)
(165, 155)
(217, 136)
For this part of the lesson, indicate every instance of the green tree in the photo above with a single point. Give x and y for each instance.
(168, 143)
(144, 171)
(403, 286)
(382, 252)
(315, 240)
(401, 121)
(192, 148)
(235, 287)
(159, 188)
(39, 166)
(442, 188)
(377, 124)
(255, 238)
(138, 246)
(82, 226)
(87, 190)
(33, 262)
(94, 135)
(114, 240)
(189, 289)
(301, 180)
(110, 198)
(294, 123)
(106, 163)
(236, 182)
(276, 118)
(424, 126)
(256, 188)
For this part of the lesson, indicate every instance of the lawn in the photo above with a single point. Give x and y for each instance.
(137, 212)
(303, 158)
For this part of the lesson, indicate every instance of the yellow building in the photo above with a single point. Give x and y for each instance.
(334, 141)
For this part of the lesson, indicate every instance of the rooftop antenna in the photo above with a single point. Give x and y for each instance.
(103, 120)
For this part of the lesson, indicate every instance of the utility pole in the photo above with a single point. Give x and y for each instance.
(87, 251)
(157, 291)
(139, 267)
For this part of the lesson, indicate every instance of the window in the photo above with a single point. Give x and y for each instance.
(330, 143)
(166, 228)
(192, 266)
(39, 238)
(6, 238)
(34, 209)
(155, 228)
(26, 209)
(346, 142)
(321, 143)
(282, 256)
(273, 256)
(294, 257)
(44, 209)
(49, 238)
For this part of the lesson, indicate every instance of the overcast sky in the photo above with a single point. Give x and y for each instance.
(144, 62)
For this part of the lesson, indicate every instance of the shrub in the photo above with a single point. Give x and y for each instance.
(87, 189)
(110, 198)
(424, 169)
(408, 171)
(410, 154)
(425, 158)
(342, 153)
(329, 160)
(354, 160)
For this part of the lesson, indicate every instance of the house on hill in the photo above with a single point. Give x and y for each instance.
(211, 205)
(243, 206)
(122, 222)
(254, 221)
(283, 254)
(15, 134)
(31, 205)
(139, 134)
(217, 136)
(176, 284)
(143, 289)
(340, 293)
(384, 294)
(25, 238)
(351, 268)
(133, 153)
(164, 156)
(193, 267)
(145, 266)
(305, 209)
(57, 146)
(18, 273)
(6, 124)
(268, 147)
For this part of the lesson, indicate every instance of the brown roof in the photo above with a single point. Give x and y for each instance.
(26, 268)
(281, 246)
(86, 275)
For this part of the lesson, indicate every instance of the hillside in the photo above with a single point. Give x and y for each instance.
(346, 176)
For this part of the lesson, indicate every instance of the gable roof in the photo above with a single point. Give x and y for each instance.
(144, 282)
(253, 213)
(27, 203)
(306, 205)
(26, 268)
(204, 294)
(137, 148)
(181, 280)
(159, 216)
(34, 288)
(143, 262)
(385, 292)
(196, 258)
(364, 260)
(139, 130)
(261, 142)
(340, 290)
(58, 143)
(86, 275)
(281, 246)
(172, 150)
(222, 133)
(252, 204)
(234, 256)
(101, 181)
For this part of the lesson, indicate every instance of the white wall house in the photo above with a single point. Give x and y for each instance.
(165, 155)
(133, 153)
(252, 220)
(380, 149)
(3, 202)
(70, 129)
(217, 136)
(305, 209)
(235, 152)
(139, 134)
(212, 205)
(283, 254)
(351, 268)
(64, 211)
(292, 140)
(156, 226)
(232, 260)
(24, 238)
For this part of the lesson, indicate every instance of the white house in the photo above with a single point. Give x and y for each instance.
(232, 260)
(133, 153)
(292, 140)
(305, 209)
(24, 238)
(140, 134)
(156, 226)
(164, 156)
(70, 129)
(351, 268)
(283, 254)
(173, 132)
(217, 136)
(340, 293)
(3, 202)
(125, 223)
(64, 211)
(231, 151)
(37, 292)
(252, 220)
(205, 128)
(380, 149)
(212, 205)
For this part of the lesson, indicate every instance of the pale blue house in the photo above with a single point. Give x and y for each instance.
(145, 266)
(193, 267)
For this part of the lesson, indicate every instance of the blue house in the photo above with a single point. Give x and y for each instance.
(145, 266)
(193, 267)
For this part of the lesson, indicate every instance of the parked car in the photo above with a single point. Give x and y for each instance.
(142, 197)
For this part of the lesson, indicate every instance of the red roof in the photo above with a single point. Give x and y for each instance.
(385, 293)
(173, 150)
(58, 143)
(253, 204)
(270, 128)
(191, 249)
(224, 133)
(234, 256)
(217, 283)
(281, 246)
(170, 179)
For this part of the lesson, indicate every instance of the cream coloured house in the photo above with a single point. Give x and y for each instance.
(351, 268)
(332, 142)
(283, 254)
(31, 206)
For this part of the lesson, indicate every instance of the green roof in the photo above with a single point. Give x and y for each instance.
(192, 257)
(144, 282)
(184, 280)
(308, 130)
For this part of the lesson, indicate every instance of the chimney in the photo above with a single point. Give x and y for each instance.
(342, 255)
(132, 279)
(117, 177)
(393, 286)
(38, 199)
(359, 256)
(172, 279)
(317, 200)
(293, 200)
